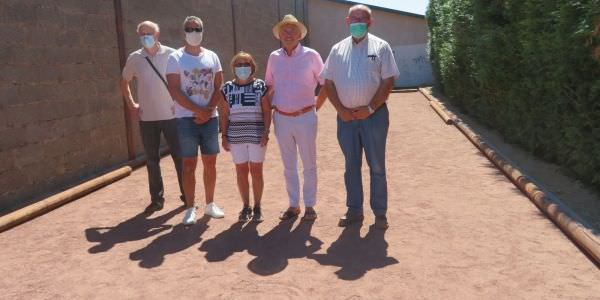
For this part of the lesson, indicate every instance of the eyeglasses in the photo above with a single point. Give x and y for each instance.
(189, 29)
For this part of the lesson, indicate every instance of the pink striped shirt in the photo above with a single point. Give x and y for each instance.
(294, 78)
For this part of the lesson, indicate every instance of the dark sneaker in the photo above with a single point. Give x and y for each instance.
(381, 222)
(348, 219)
(154, 206)
(245, 214)
(257, 215)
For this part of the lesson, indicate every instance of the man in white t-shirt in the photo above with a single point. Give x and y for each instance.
(155, 108)
(194, 73)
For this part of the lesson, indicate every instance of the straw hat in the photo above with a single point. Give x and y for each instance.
(289, 19)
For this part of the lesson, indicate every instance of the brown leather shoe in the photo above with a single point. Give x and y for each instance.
(309, 214)
(348, 219)
(290, 213)
(381, 222)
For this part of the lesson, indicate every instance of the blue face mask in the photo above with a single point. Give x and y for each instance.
(243, 73)
(358, 30)
(147, 41)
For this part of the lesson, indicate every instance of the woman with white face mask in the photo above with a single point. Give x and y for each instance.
(245, 121)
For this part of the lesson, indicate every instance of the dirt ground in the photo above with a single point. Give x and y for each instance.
(552, 178)
(458, 230)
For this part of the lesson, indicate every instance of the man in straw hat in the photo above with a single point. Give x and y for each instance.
(293, 75)
(359, 74)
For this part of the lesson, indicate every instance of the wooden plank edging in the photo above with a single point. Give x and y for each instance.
(41, 207)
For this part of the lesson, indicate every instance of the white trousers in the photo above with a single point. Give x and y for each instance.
(298, 135)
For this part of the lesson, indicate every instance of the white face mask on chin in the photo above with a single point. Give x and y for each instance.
(193, 38)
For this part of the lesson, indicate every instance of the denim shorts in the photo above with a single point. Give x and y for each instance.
(192, 135)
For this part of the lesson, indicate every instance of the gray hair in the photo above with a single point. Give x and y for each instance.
(193, 19)
(149, 24)
(360, 7)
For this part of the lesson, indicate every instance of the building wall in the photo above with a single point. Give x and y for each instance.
(61, 111)
(328, 26)
(253, 24)
(61, 117)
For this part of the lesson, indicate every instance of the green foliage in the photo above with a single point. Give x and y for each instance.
(529, 68)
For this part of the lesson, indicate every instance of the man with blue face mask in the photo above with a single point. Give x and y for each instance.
(154, 107)
(359, 74)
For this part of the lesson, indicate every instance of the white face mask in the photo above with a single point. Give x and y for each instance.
(193, 38)
(243, 73)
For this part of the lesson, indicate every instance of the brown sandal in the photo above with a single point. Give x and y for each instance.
(289, 214)
(309, 214)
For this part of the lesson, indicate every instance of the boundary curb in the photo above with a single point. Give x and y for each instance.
(41, 207)
(448, 117)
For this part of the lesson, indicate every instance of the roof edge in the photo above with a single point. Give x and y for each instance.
(375, 7)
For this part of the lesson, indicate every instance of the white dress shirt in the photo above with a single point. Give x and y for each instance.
(358, 69)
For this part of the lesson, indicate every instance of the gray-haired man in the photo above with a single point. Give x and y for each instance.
(359, 74)
(155, 107)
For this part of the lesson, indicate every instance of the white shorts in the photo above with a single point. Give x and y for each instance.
(242, 153)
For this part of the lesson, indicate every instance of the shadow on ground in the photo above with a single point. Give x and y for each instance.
(136, 228)
(280, 245)
(178, 239)
(356, 255)
(272, 251)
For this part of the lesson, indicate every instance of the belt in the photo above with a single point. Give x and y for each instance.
(295, 113)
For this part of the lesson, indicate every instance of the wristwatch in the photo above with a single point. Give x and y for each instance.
(371, 110)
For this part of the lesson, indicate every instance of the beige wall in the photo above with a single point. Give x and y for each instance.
(327, 26)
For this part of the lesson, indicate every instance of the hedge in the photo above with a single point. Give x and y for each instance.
(528, 68)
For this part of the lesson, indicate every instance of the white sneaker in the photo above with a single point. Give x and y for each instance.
(213, 210)
(190, 216)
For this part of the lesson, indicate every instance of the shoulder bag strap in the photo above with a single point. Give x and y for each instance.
(155, 70)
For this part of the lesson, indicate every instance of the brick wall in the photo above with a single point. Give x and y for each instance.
(61, 117)
(61, 112)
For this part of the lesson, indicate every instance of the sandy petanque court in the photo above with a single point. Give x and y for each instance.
(458, 230)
